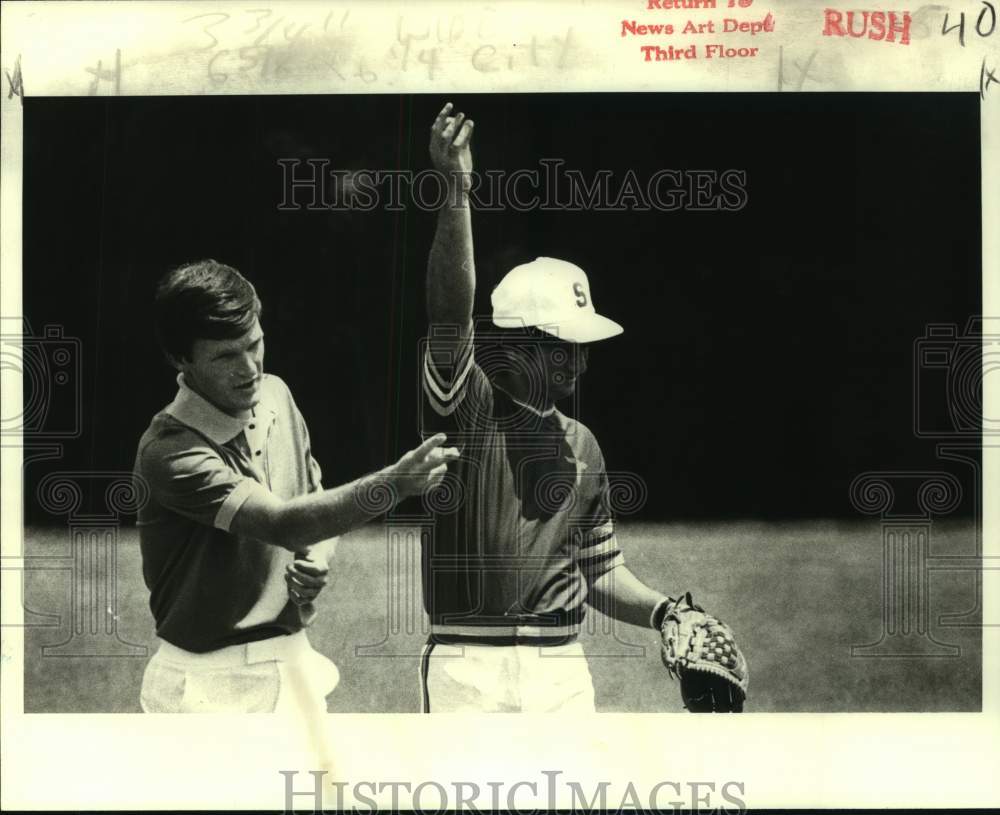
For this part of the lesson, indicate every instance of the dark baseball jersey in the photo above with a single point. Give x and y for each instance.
(522, 524)
(210, 587)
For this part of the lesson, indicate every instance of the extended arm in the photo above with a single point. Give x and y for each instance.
(297, 523)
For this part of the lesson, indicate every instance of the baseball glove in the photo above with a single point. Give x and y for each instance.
(701, 652)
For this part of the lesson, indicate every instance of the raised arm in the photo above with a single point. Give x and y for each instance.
(451, 273)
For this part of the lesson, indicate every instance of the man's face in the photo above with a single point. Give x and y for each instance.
(227, 372)
(563, 363)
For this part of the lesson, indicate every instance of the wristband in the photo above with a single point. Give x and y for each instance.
(659, 612)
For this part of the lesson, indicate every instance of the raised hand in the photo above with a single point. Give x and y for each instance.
(450, 151)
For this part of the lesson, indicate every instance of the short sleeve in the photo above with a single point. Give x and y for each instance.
(314, 474)
(598, 552)
(185, 475)
(455, 389)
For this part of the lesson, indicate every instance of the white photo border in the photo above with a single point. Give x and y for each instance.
(783, 760)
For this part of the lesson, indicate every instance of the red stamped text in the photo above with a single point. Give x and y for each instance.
(875, 25)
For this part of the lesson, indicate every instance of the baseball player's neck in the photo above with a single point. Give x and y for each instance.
(520, 389)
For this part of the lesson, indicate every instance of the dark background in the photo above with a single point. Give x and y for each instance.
(768, 353)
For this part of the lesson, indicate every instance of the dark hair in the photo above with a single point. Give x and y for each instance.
(203, 300)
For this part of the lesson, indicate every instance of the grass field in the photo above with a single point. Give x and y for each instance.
(798, 596)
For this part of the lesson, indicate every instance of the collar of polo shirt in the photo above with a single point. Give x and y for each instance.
(195, 411)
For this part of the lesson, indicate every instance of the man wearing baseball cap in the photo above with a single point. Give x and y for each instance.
(529, 540)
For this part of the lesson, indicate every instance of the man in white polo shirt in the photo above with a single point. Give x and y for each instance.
(238, 532)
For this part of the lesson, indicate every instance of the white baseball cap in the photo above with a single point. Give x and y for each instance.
(552, 295)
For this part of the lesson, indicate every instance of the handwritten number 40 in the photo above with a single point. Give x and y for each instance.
(986, 23)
